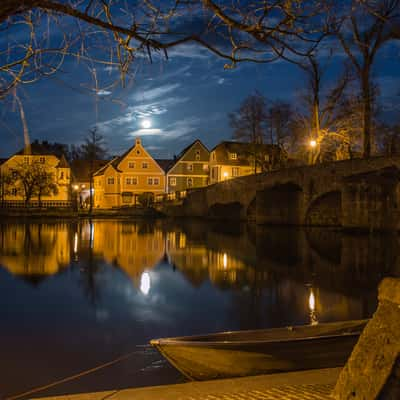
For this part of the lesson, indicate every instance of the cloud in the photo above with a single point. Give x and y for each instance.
(133, 113)
(221, 81)
(189, 50)
(173, 130)
(152, 94)
(103, 93)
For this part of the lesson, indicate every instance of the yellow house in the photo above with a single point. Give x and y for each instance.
(121, 181)
(15, 180)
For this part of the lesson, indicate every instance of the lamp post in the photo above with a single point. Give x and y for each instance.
(313, 145)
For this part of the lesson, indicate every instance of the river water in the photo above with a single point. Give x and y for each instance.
(76, 295)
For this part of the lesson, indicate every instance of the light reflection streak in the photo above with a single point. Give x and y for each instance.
(145, 283)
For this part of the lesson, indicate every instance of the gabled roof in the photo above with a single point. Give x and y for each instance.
(243, 151)
(81, 168)
(3, 160)
(63, 162)
(187, 148)
(102, 169)
(165, 164)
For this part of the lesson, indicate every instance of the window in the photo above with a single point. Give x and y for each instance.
(235, 171)
(128, 181)
(61, 175)
(197, 154)
(233, 156)
(42, 160)
(110, 181)
(189, 182)
(13, 192)
(172, 181)
(266, 157)
(131, 164)
(190, 167)
(145, 165)
(205, 167)
(156, 181)
(26, 160)
(149, 181)
(134, 181)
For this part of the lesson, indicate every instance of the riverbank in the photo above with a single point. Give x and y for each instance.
(303, 385)
(65, 213)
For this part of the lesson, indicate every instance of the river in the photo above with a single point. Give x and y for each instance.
(76, 295)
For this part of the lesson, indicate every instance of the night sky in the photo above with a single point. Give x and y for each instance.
(185, 97)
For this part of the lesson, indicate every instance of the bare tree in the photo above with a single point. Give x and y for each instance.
(33, 179)
(5, 185)
(115, 32)
(279, 117)
(368, 27)
(92, 150)
(249, 121)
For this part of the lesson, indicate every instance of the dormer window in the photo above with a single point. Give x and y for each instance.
(233, 156)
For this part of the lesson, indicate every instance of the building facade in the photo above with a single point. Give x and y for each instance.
(230, 160)
(190, 168)
(33, 178)
(124, 179)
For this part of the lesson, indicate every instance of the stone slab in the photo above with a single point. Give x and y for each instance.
(303, 385)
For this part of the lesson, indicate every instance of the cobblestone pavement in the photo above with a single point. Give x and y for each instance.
(302, 385)
(295, 392)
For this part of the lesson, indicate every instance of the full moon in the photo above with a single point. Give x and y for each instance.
(146, 123)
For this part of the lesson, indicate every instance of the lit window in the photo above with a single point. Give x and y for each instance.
(233, 156)
(13, 191)
(61, 175)
(42, 160)
(197, 154)
(172, 181)
(190, 182)
(131, 164)
(145, 165)
(110, 181)
(205, 167)
(128, 181)
(26, 160)
(190, 167)
(235, 171)
(150, 181)
(134, 181)
(156, 181)
(266, 157)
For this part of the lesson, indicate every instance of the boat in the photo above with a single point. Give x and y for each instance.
(261, 351)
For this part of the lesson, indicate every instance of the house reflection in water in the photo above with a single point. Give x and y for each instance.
(34, 251)
(133, 247)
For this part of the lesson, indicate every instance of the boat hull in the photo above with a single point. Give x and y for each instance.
(215, 359)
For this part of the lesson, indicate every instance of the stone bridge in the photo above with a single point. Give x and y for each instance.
(358, 193)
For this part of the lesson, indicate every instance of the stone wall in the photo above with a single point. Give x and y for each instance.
(372, 371)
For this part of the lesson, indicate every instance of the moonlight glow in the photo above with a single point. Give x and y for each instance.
(146, 124)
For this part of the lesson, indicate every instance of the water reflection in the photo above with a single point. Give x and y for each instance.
(107, 286)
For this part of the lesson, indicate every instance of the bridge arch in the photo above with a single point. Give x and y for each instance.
(325, 210)
(280, 204)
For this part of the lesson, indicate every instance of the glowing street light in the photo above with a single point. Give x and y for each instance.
(313, 143)
(225, 175)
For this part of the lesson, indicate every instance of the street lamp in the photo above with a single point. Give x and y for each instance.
(313, 143)
(225, 175)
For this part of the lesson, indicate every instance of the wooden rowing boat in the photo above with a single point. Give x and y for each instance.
(261, 351)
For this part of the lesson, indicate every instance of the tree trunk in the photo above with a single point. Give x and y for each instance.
(366, 100)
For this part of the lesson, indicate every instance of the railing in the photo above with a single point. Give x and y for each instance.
(35, 204)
